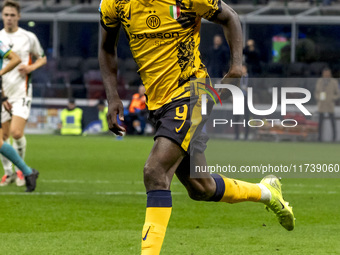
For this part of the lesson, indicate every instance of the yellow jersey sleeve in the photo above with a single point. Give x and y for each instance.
(108, 15)
(207, 9)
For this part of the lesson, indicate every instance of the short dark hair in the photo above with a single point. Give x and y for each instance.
(11, 3)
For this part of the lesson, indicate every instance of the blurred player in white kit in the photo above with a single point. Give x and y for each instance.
(17, 84)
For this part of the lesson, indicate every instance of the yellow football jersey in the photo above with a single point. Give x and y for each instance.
(164, 39)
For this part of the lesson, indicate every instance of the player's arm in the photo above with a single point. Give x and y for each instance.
(14, 60)
(232, 29)
(27, 69)
(108, 67)
(37, 52)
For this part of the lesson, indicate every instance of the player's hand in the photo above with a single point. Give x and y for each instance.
(7, 105)
(115, 108)
(233, 77)
(24, 70)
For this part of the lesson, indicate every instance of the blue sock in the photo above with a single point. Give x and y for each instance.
(9, 152)
(220, 188)
(159, 198)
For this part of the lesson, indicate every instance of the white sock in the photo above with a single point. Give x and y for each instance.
(266, 195)
(20, 146)
(6, 163)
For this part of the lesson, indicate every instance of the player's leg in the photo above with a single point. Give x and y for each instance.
(30, 174)
(200, 189)
(5, 129)
(17, 128)
(218, 188)
(9, 176)
(159, 169)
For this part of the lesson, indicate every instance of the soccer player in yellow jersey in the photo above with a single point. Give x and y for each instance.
(164, 40)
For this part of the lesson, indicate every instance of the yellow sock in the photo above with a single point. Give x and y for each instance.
(156, 222)
(234, 191)
(157, 216)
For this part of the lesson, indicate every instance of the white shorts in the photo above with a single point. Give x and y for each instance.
(20, 107)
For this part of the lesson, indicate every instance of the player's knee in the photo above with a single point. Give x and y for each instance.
(16, 133)
(154, 178)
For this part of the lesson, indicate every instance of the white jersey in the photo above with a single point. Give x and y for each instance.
(26, 45)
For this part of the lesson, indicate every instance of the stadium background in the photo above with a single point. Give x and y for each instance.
(90, 197)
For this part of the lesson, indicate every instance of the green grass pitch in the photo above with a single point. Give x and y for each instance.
(90, 199)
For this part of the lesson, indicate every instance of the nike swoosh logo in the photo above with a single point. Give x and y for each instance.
(129, 17)
(283, 207)
(146, 235)
(179, 128)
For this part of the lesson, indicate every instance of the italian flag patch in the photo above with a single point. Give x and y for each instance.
(175, 11)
